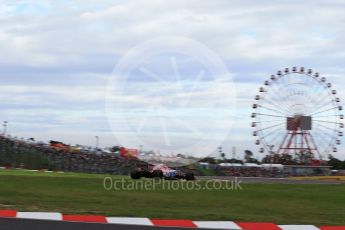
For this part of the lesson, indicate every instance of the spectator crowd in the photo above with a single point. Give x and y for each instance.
(251, 172)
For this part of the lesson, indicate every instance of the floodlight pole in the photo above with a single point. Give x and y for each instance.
(5, 128)
(97, 141)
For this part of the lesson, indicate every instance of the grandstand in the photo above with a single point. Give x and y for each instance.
(16, 153)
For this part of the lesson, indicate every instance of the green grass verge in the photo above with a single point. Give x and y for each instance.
(207, 172)
(84, 194)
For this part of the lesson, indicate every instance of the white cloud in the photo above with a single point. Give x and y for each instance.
(76, 44)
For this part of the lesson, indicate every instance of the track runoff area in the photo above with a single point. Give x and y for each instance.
(259, 204)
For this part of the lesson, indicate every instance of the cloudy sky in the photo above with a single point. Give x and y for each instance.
(57, 58)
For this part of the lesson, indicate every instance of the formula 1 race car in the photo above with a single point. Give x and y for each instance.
(161, 171)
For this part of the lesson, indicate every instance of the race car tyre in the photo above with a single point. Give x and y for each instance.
(135, 175)
(190, 176)
(147, 174)
(157, 174)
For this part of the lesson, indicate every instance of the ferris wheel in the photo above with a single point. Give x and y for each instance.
(297, 111)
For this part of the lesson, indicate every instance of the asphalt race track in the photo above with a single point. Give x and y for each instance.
(22, 224)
